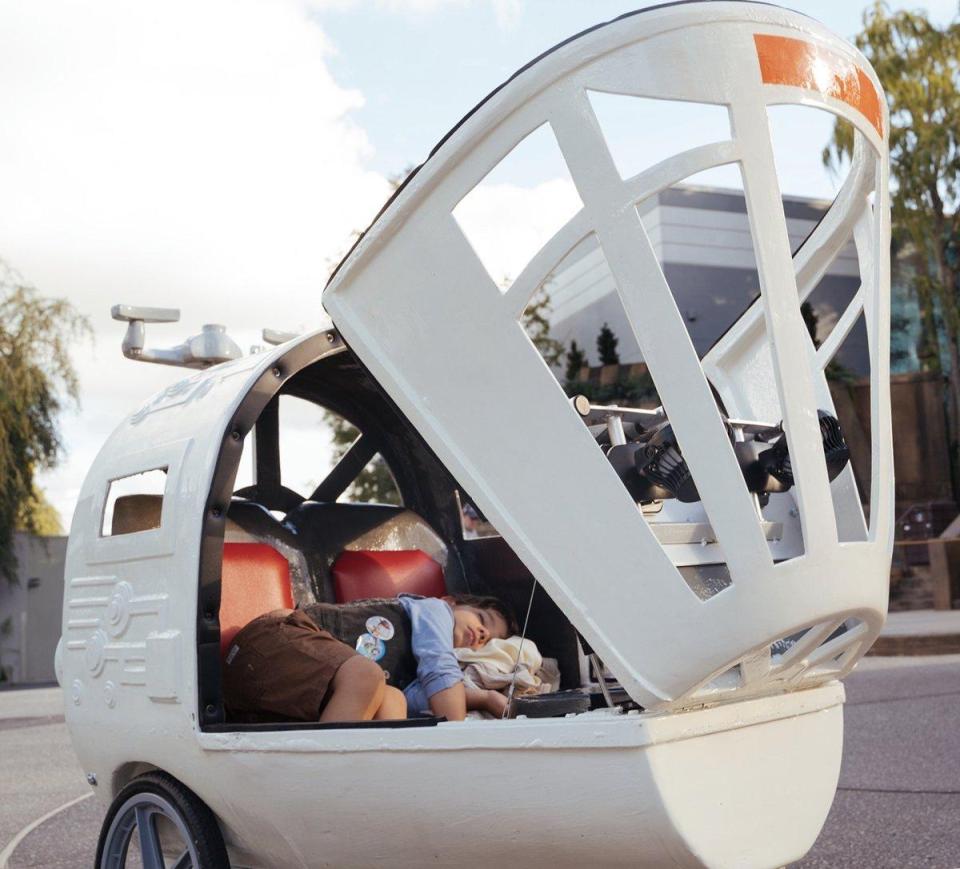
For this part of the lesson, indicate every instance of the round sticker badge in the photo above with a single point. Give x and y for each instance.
(380, 627)
(371, 647)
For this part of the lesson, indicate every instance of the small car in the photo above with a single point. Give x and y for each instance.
(703, 572)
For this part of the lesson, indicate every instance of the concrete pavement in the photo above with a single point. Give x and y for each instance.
(898, 803)
(39, 769)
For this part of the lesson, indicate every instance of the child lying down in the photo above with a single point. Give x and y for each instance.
(374, 659)
(502, 663)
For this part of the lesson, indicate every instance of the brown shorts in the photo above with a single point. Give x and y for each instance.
(279, 667)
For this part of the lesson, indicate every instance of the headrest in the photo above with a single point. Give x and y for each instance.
(334, 527)
(249, 522)
(255, 580)
(136, 513)
(324, 530)
(358, 575)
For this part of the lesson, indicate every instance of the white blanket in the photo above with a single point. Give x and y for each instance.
(492, 666)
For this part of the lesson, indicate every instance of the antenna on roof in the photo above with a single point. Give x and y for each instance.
(210, 347)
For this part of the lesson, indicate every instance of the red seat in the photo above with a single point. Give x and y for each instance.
(366, 573)
(255, 580)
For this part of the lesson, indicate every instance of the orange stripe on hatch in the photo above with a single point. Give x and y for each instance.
(797, 63)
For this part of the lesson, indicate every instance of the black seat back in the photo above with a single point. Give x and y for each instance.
(249, 522)
(324, 530)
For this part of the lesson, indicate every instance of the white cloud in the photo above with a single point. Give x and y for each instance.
(507, 223)
(508, 13)
(191, 155)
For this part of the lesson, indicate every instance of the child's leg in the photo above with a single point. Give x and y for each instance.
(394, 705)
(355, 692)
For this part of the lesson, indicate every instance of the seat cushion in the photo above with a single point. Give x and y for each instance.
(361, 574)
(255, 580)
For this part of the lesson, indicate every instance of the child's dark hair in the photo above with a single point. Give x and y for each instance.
(486, 602)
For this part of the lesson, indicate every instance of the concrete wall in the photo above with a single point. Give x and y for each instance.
(30, 610)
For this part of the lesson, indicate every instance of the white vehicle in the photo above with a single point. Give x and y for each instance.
(725, 611)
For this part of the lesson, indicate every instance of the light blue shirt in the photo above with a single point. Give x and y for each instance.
(431, 632)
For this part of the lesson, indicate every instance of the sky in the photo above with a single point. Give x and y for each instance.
(216, 155)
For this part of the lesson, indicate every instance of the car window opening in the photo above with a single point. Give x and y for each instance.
(349, 504)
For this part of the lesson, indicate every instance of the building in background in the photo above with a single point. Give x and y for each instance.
(31, 610)
(702, 239)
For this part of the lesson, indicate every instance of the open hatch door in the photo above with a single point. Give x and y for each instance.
(415, 303)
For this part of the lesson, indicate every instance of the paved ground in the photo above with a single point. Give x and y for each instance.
(38, 770)
(898, 806)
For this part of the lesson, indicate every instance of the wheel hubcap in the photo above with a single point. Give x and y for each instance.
(148, 831)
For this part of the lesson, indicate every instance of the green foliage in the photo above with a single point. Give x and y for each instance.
(576, 359)
(839, 372)
(919, 67)
(39, 516)
(536, 322)
(374, 484)
(607, 346)
(635, 391)
(36, 378)
(811, 321)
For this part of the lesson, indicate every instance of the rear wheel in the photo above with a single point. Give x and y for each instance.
(158, 823)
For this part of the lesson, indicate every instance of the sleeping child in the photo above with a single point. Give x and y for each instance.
(373, 659)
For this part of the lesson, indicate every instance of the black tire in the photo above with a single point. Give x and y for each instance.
(153, 794)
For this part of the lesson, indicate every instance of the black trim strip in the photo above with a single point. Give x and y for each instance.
(271, 727)
(210, 709)
(267, 435)
(351, 463)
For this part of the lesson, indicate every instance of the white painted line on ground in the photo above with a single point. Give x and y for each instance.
(7, 852)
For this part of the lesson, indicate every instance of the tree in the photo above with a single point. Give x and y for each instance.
(36, 379)
(39, 516)
(607, 346)
(576, 359)
(536, 321)
(919, 67)
(811, 320)
(375, 483)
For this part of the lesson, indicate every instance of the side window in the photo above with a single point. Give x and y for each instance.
(325, 458)
(134, 503)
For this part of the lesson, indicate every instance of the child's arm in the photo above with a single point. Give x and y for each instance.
(439, 679)
(450, 703)
(453, 703)
(486, 700)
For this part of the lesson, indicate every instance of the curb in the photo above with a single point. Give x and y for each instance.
(916, 644)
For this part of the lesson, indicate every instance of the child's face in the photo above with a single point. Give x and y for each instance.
(474, 627)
